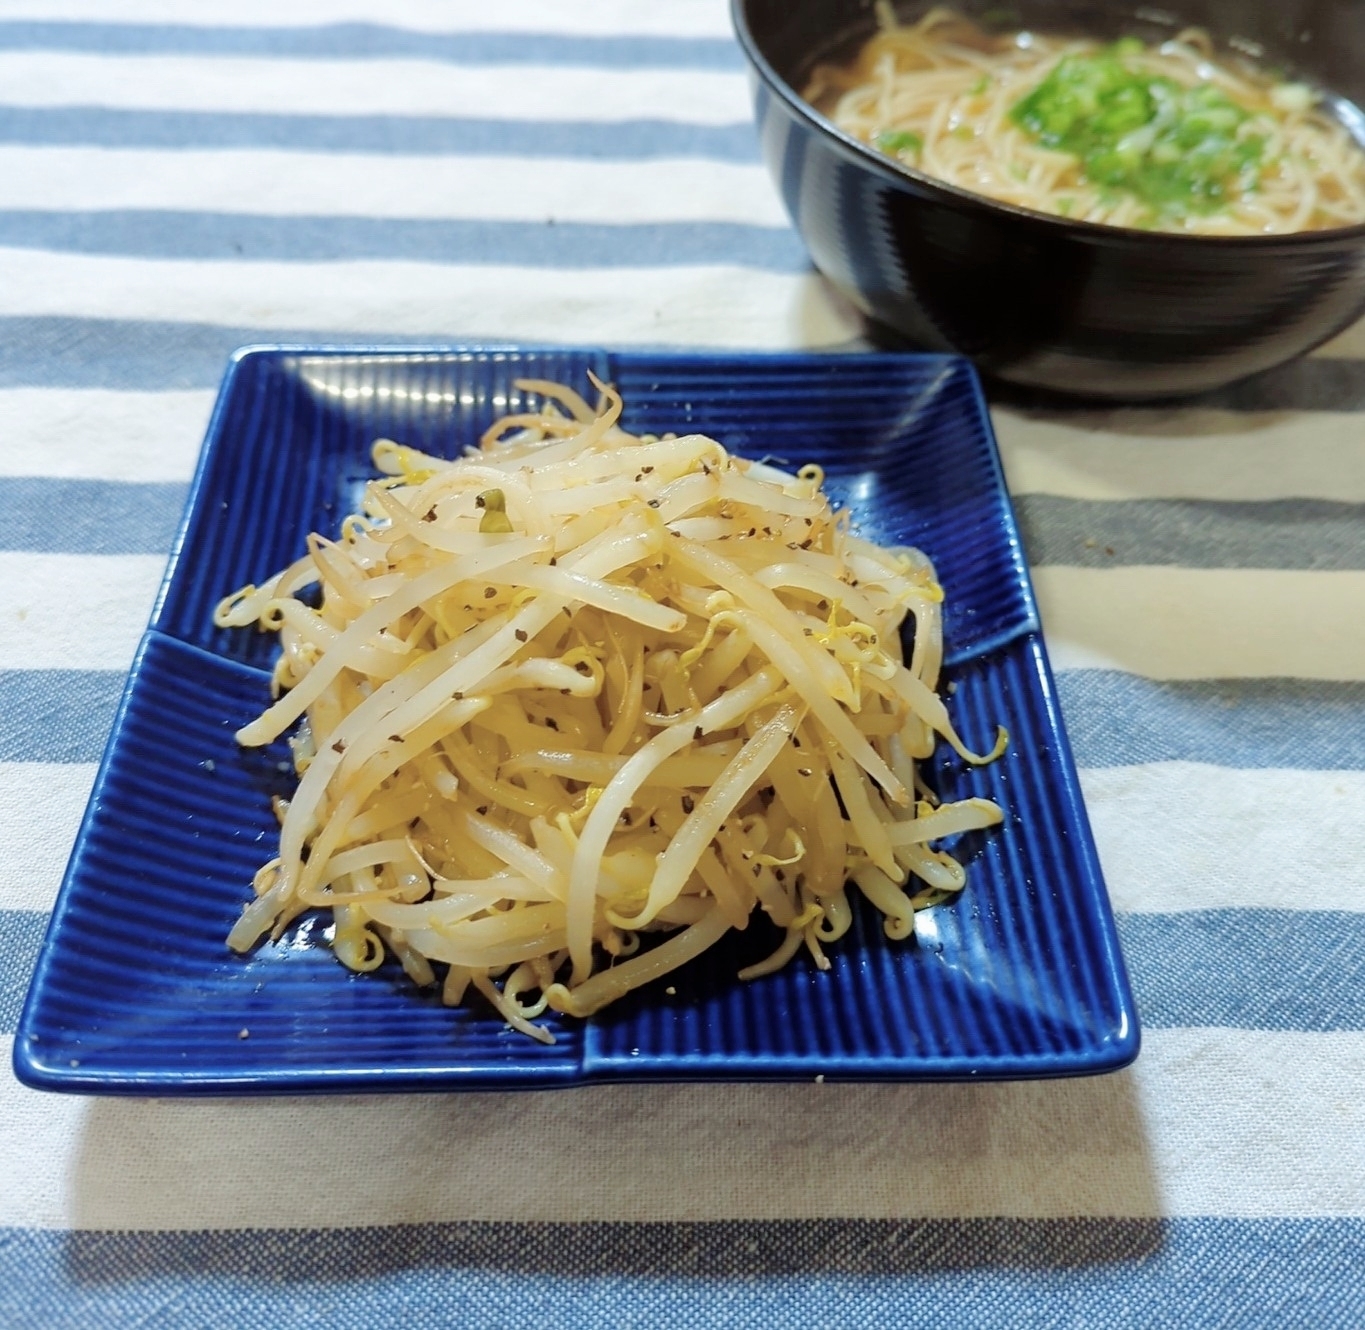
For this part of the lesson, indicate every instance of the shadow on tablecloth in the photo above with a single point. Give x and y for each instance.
(630, 1180)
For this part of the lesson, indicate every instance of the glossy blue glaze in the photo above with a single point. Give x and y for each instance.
(135, 991)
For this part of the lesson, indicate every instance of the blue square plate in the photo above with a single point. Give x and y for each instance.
(135, 991)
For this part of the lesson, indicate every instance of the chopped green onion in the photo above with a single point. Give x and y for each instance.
(898, 140)
(1180, 150)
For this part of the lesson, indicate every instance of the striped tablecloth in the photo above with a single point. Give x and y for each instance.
(178, 179)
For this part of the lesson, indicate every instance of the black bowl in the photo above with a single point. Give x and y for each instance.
(1072, 306)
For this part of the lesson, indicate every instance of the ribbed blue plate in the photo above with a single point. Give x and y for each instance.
(135, 991)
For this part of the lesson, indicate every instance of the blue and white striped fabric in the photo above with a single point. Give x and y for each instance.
(178, 179)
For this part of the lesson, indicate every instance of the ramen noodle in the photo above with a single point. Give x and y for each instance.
(579, 687)
(1169, 137)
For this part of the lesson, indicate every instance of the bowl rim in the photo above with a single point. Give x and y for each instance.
(895, 173)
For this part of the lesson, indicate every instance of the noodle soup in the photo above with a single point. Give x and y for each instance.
(1167, 137)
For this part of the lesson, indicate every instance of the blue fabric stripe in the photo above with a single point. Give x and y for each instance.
(1231, 968)
(372, 41)
(1310, 383)
(64, 351)
(212, 235)
(88, 516)
(627, 140)
(58, 351)
(21, 935)
(1192, 533)
(1113, 719)
(113, 517)
(61, 352)
(959, 1273)
(1249, 969)
(57, 715)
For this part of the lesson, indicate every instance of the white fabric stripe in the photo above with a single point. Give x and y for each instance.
(41, 806)
(1207, 1122)
(1173, 836)
(74, 611)
(372, 87)
(1204, 623)
(1349, 344)
(326, 184)
(604, 18)
(155, 435)
(1177, 836)
(98, 434)
(1155, 453)
(710, 306)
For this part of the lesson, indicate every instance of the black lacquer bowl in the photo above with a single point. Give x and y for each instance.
(1072, 306)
